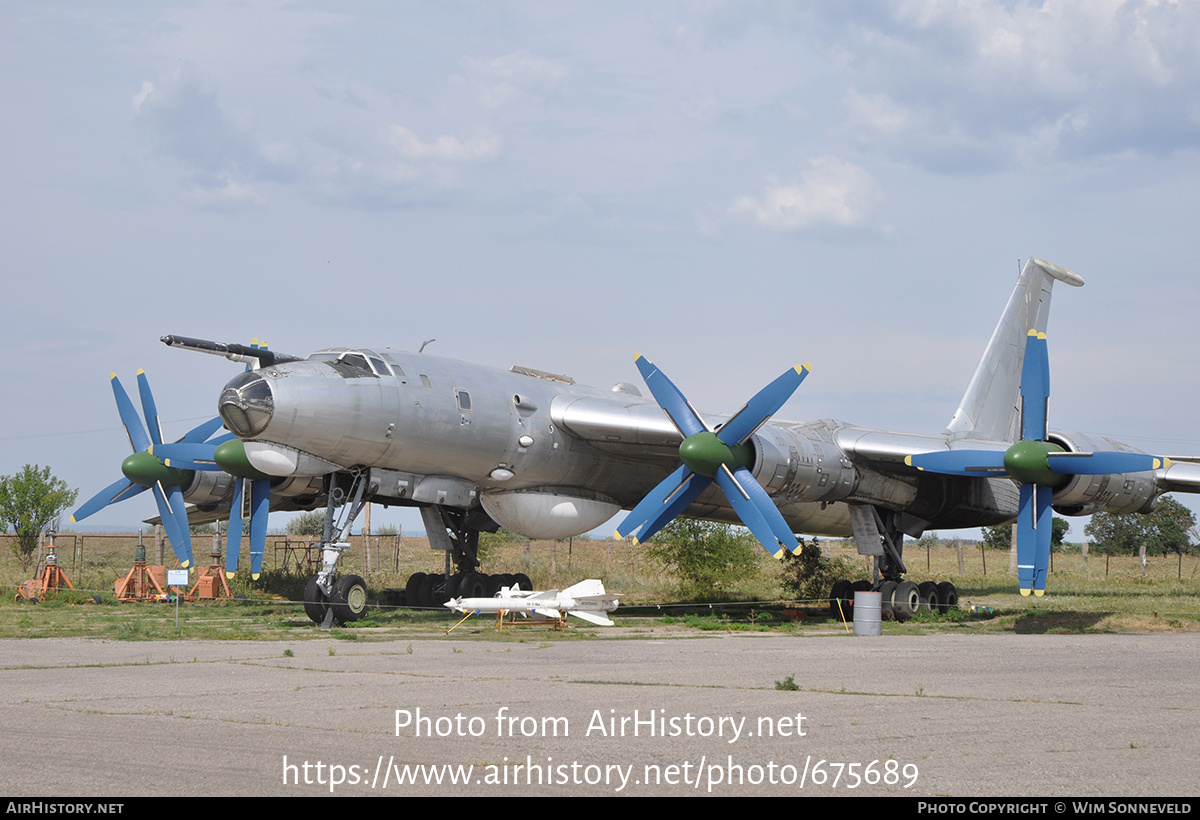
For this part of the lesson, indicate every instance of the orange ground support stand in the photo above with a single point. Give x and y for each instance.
(51, 580)
(210, 583)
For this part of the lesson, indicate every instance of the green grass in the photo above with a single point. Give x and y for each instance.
(1081, 598)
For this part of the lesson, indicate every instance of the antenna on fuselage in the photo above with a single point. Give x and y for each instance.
(427, 341)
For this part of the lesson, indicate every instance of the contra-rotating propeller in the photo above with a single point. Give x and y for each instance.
(721, 455)
(228, 454)
(142, 470)
(1039, 466)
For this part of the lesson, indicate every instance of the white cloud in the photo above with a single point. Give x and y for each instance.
(140, 97)
(504, 79)
(1075, 78)
(443, 149)
(831, 192)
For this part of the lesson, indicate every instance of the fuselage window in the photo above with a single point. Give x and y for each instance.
(464, 400)
(425, 382)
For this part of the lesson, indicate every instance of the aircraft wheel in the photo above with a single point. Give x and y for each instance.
(906, 601)
(412, 590)
(474, 585)
(841, 589)
(443, 589)
(425, 592)
(886, 590)
(947, 597)
(497, 582)
(929, 596)
(349, 599)
(314, 601)
(521, 581)
(857, 586)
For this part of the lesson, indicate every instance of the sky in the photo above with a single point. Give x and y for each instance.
(728, 188)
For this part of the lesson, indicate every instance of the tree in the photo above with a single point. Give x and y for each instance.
(1165, 529)
(706, 556)
(29, 502)
(1058, 531)
(998, 537)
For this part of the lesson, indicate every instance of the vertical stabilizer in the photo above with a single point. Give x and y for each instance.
(991, 406)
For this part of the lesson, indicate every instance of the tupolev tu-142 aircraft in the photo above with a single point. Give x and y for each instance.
(477, 448)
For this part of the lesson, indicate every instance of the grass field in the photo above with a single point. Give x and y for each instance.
(1098, 595)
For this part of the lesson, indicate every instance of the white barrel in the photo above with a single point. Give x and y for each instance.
(866, 613)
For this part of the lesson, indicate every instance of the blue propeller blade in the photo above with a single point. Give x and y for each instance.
(149, 409)
(1035, 387)
(201, 432)
(1104, 463)
(172, 511)
(191, 455)
(117, 491)
(764, 405)
(680, 502)
(670, 399)
(653, 502)
(748, 511)
(768, 510)
(129, 417)
(1034, 530)
(959, 462)
(260, 499)
(233, 537)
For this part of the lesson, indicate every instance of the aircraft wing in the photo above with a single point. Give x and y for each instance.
(622, 424)
(1183, 476)
(883, 450)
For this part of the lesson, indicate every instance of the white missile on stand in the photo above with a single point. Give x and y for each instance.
(586, 600)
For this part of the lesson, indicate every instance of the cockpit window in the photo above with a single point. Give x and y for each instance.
(379, 366)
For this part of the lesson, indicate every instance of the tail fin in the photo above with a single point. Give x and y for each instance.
(585, 589)
(990, 407)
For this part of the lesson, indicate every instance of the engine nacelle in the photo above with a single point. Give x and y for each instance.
(1118, 493)
(549, 512)
(803, 463)
(208, 487)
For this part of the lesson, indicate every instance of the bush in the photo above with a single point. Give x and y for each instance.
(706, 556)
(808, 575)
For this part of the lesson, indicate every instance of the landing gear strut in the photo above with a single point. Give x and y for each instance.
(456, 532)
(880, 532)
(329, 599)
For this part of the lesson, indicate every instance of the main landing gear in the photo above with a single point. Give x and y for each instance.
(898, 601)
(456, 533)
(880, 532)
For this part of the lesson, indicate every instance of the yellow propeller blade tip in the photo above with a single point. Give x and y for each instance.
(229, 575)
(254, 576)
(1038, 593)
(1025, 593)
(73, 520)
(778, 556)
(617, 536)
(633, 541)
(140, 372)
(185, 564)
(112, 376)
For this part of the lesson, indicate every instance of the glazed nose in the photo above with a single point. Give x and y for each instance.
(246, 404)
